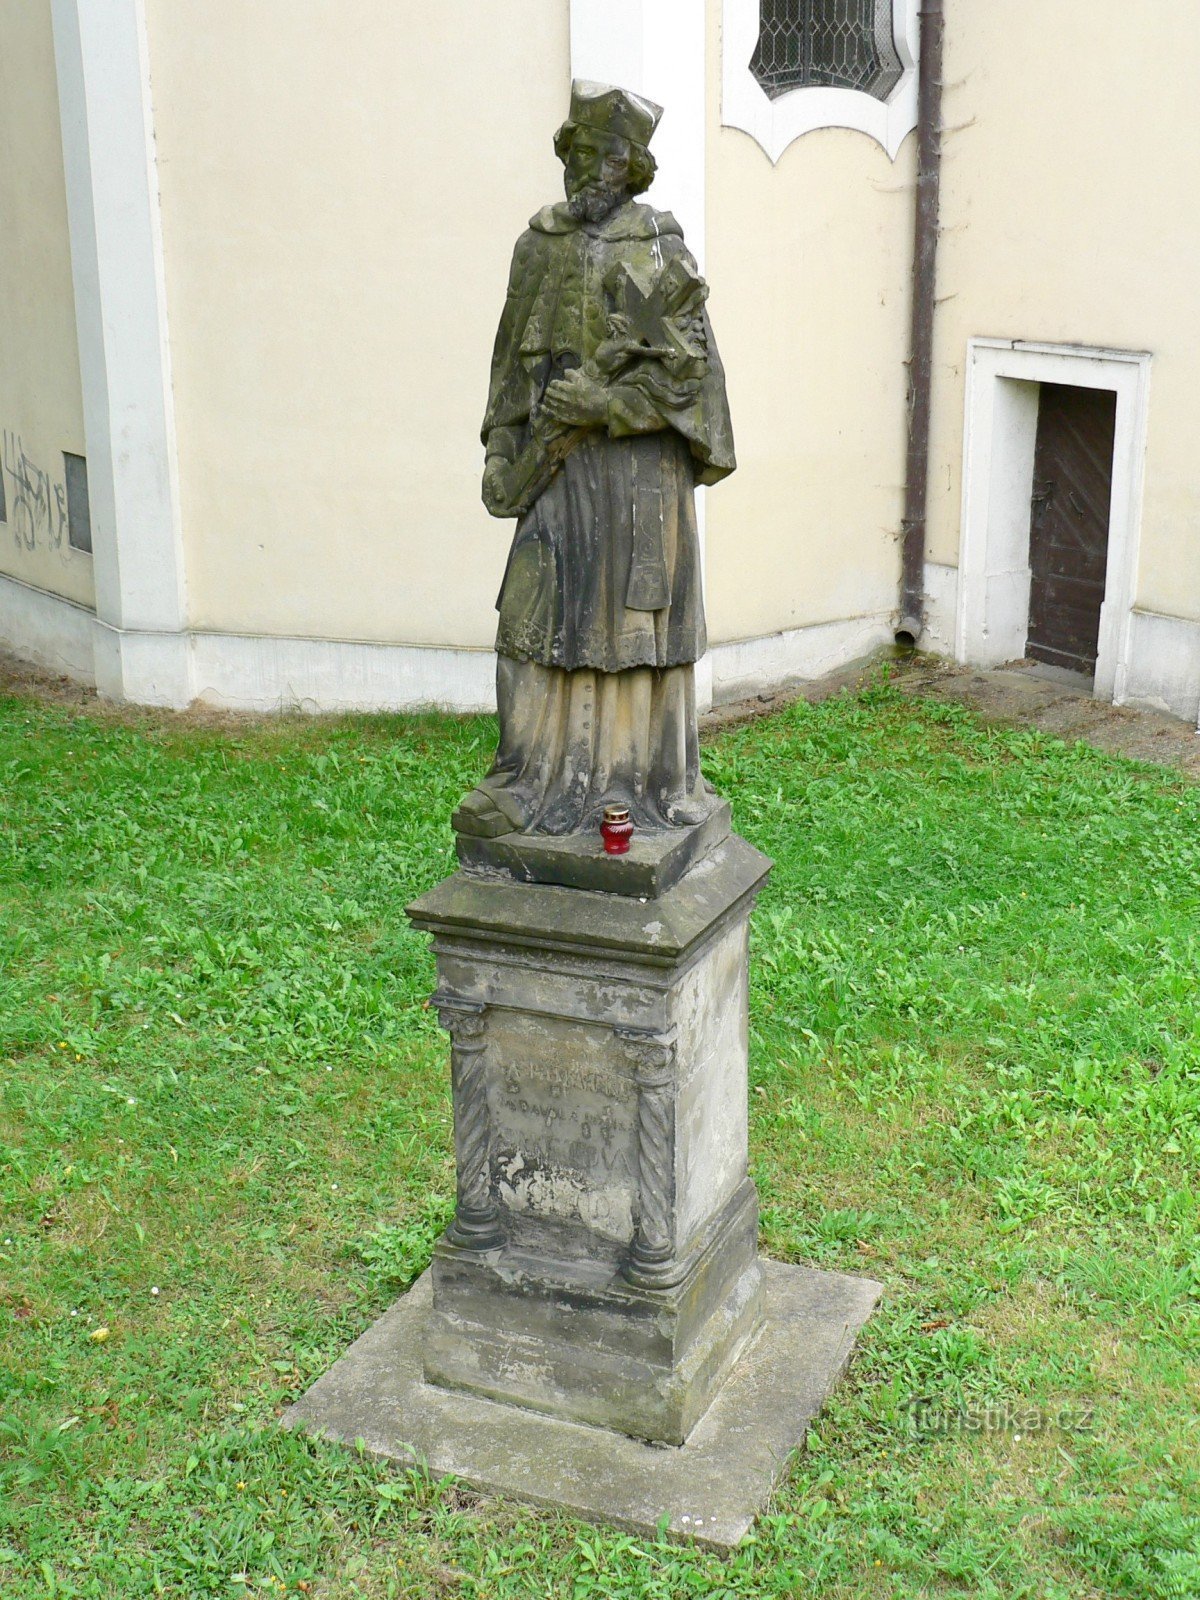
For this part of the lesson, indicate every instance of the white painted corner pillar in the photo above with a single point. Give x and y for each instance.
(656, 48)
(142, 648)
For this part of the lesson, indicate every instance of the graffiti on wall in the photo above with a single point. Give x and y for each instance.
(37, 507)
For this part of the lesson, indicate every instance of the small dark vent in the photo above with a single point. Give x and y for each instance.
(841, 44)
(79, 516)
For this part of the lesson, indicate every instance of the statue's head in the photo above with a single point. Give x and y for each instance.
(604, 148)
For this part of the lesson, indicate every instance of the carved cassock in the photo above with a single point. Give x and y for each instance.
(601, 611)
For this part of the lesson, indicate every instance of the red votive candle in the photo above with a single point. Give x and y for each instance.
(616, 830)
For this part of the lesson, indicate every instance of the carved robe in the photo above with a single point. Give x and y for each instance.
(601, 610)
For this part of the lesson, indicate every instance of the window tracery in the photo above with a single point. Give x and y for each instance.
(838, 44)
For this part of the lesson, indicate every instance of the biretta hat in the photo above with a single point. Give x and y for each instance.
(606, 109)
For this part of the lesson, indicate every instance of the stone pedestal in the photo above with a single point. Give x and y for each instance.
(602, 1264)
(601, 1268)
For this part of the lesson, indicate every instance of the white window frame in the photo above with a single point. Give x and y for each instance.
(777, 123)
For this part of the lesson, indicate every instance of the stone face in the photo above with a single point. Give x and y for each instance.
(571, 1336)
(602, 1266)
(711, 1006)
(563, 1123)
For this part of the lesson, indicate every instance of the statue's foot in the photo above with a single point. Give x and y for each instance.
(691, 813)
(478, 814)
(687, 816)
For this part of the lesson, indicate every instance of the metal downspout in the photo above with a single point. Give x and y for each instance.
(929, 162)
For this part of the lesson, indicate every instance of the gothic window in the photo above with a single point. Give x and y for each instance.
(841, 44)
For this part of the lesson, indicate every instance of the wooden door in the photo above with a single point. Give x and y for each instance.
(1068, 525)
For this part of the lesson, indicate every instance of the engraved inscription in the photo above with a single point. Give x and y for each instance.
(564, 1144)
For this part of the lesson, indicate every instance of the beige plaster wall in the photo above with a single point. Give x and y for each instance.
(809, 263)
(1071, 214)
(41, 406)
(342, 187)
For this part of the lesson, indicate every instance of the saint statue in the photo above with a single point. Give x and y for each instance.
(607, 406)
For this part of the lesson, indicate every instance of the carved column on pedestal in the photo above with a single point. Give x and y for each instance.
(651, 1260)
(476, 1224)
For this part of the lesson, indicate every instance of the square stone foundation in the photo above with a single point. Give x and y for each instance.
(708, 1490)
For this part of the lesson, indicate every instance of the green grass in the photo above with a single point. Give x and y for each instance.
(975, 1069)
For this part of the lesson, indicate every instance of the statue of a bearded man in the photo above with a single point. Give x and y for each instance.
(607, 407)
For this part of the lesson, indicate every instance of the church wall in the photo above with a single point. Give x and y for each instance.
(341, 191)
(809, 263)
(1070, 216)
(41, 408)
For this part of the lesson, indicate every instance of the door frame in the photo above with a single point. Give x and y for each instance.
(1004, 377)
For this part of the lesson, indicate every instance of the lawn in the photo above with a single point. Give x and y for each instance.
(225, 1146)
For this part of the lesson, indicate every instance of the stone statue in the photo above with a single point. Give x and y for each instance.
(602, 1266)
(607, 406)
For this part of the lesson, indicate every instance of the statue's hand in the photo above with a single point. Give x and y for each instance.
(576, 400)
(497, 493)
(618, 349)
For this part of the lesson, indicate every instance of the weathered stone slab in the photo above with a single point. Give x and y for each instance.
(654, 862)
(658, 933)
(709, 1489)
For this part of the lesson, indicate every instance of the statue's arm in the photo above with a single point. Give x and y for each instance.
(646, 393)
(507, 414)
(508, 392)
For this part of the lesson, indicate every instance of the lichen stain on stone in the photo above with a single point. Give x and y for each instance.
(548, 1189)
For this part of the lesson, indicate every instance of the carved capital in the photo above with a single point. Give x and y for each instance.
(464, 1020)
(652, 1056)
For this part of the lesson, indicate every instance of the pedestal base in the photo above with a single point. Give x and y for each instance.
(547, 1325)
(596, 1330)
(709, 1489)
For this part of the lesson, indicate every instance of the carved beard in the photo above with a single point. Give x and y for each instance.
(593, 201)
